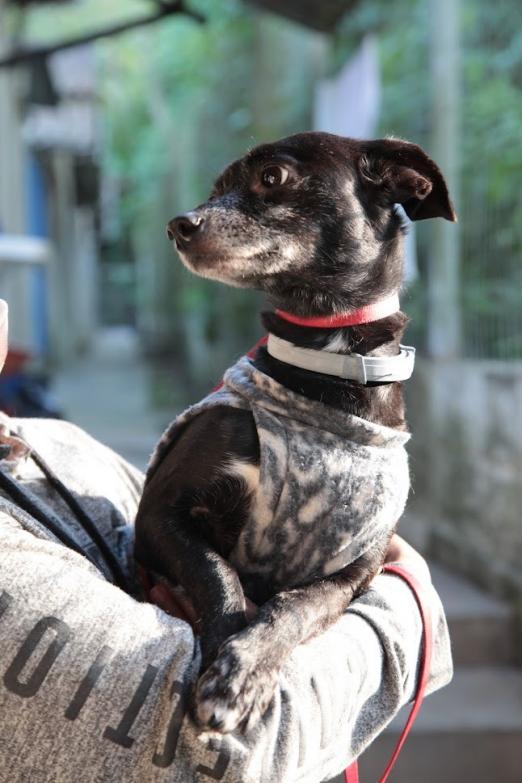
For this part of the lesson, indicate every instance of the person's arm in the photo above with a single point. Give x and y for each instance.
(95, 686)
(365, 670)
(378, 660)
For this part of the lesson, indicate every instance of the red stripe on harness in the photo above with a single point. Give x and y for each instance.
(251, 354)
(351, 774)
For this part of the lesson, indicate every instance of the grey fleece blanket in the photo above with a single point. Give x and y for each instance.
(330, 484)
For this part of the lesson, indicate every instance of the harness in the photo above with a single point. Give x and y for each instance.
(351, 774)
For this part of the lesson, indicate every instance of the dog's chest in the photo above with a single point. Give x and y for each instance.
(328, 484)
(319, 501)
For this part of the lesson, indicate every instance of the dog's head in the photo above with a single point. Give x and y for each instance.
(310, 219)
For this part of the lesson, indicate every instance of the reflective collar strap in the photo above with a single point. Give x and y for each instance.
(364, 315)
(364, 369)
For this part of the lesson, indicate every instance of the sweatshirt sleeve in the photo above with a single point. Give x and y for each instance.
(95, 686)
(342, 688)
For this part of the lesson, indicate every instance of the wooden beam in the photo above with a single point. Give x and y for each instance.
(164, 9)
(320, 15)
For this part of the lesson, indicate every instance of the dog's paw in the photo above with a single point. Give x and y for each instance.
(235, 691)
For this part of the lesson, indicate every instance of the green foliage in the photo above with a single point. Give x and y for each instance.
(491, 175)
(180, 100)
(490, 209)
(154, 83)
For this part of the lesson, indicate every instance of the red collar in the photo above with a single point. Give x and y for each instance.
(364, 315)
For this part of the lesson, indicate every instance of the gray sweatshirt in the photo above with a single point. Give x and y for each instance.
(94, 684)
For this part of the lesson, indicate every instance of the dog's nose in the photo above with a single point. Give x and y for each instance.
(184, 226)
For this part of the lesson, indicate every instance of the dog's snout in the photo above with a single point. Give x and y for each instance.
(183, 227)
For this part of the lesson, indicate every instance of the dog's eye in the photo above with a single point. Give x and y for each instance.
(273, 176)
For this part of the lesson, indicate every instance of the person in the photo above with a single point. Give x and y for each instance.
(95, 684)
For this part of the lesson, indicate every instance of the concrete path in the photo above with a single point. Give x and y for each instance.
(107, 393)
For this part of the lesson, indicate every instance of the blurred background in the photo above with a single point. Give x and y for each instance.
(103, 141)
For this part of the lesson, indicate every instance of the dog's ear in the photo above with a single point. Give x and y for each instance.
(405, 175)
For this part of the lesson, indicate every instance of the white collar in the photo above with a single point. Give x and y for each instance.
(353, 366)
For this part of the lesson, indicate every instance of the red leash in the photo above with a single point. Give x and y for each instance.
(351, 774)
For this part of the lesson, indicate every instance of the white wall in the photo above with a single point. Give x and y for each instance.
(466, 461)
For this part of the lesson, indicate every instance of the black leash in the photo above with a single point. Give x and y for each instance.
(52, 522)
(84, 519)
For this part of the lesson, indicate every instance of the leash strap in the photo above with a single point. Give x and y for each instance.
(351, 774)
(46, 516)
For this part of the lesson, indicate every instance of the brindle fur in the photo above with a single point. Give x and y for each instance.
(326, 241)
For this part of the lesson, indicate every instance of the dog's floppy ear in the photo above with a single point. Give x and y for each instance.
(406, 175)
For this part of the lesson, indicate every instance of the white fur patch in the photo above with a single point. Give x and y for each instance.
(336, 344)
(245, 470)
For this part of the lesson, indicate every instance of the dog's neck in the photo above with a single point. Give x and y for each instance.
(375, 337)
(381, 403)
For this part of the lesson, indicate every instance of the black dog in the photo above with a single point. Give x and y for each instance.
(292, 478)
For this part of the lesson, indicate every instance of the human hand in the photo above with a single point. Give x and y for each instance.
(402, 553)
(175, 601)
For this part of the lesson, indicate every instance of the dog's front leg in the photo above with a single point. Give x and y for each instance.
(190, 515)
(237, 688)
(211, 583)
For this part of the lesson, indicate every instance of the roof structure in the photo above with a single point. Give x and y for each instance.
(26, 3)
(36, 2)
(70, 123)
(321, 15)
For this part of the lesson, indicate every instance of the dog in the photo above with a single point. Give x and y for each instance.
(287, 483)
